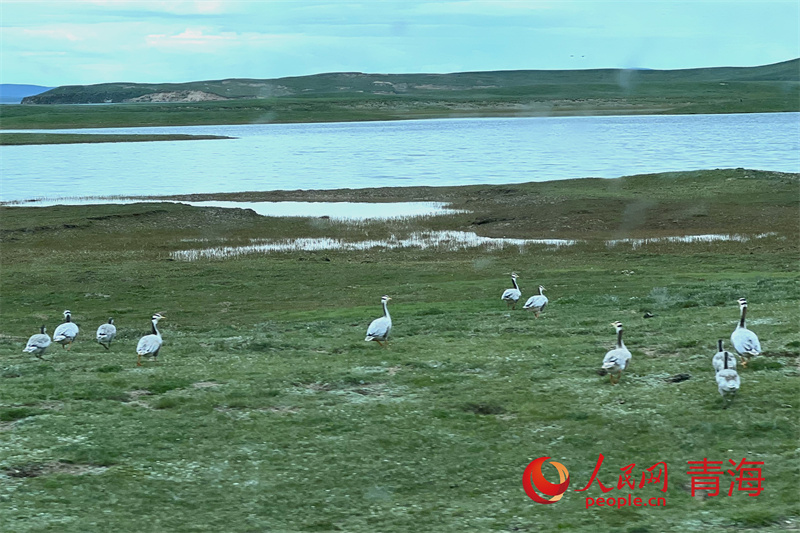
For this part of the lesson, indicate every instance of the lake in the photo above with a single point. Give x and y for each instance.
(400, 153)
(332, 210)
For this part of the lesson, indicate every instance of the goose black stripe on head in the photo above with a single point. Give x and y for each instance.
(154, 321)
(67, 316)
(743, 302)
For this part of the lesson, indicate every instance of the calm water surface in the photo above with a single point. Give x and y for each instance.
(333, 210)
(403, 153)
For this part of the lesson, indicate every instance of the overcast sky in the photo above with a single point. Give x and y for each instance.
(67, 42)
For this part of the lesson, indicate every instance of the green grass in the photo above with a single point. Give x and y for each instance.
(268, 411)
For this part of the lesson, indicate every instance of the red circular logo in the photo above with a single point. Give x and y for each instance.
(533, 477)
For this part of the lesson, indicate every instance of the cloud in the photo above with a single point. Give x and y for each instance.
(205, 40)
(486, 7)
(97, 41)
(56, 34)
(179, 7)
(190, 38)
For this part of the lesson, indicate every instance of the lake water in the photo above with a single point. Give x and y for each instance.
(402, 153)
(443, 241)
(333, 210)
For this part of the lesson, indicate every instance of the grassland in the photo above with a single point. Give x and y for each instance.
(268, 411)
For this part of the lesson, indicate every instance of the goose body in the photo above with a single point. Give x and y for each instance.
(511, 296)
(65, 333)
(106, 333)
(617, 360)
(380, 328)
(744, 341)
(38, 343)
(728, 381)
(149, 345)
(536, 302)
(718, 361)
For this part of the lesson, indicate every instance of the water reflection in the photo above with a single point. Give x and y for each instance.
(333, 210)
(638, 243)
(445, 241)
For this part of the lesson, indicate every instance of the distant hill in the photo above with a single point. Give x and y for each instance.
(13, 93)
(464, 85)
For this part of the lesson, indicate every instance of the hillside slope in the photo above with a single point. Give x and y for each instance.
(456, 85)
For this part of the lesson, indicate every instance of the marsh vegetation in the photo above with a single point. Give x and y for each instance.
(268, 411)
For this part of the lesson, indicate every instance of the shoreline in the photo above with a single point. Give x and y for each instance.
(29, 139)
(566, 209)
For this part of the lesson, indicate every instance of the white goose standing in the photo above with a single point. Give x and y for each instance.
(744, 341)
(149, 345)
(106, 333)
(38, 343)
(618, 359)
(512, 296)
(536, 302)
(65, 333)
(719, 359)
(728, 381)
(380, 328)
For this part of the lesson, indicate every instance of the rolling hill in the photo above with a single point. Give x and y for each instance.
(464, 85)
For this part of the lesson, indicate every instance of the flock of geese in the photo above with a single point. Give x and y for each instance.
(615, 362)
(65, 335)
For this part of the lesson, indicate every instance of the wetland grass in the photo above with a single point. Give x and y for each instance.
(268, 411)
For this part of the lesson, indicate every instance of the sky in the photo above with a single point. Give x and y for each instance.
(80, 42)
